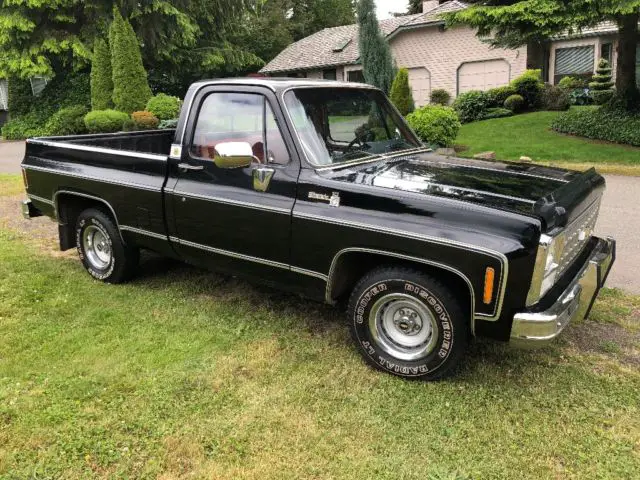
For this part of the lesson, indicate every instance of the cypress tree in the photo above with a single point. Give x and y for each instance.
(101, 77)
(375, 54)
(130, 85)
(401, 93)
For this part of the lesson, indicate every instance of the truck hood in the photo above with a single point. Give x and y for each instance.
(551, 194)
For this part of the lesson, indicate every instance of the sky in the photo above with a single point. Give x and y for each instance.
(386, 6)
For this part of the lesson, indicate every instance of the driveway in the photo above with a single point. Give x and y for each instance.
(11, 154)
(619, 217)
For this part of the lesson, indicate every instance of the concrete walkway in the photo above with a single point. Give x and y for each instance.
(619, 217)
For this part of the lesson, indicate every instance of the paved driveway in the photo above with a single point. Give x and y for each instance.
(11, 154)
(619, 217)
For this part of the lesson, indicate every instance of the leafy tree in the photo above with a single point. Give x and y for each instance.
(401, 93)
(375, 54)
(37, 34)
(101, 77)
(310, 16)
(130, 86)
(415, 6)
(515, 23)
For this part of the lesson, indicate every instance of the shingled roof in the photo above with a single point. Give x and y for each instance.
(339, 45)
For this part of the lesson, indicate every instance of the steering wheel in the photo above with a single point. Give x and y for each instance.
(361, 139)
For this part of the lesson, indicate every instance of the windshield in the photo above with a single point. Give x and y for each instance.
(338, 125)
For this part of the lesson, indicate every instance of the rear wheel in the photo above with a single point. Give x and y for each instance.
(407, 323)
(101, 249)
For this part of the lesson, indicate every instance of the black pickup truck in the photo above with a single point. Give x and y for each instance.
(320, 188)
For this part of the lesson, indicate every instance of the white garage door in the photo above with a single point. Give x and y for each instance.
(483, 75)
(420, 82)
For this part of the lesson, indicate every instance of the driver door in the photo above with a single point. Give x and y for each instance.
(234, 218)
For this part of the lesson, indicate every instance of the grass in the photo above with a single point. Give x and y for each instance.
(530, 135)
(10, 184)
(183, 373)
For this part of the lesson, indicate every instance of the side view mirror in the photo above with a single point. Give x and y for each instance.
(233, 155)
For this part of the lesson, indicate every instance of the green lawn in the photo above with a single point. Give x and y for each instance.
(182, 373)
(530, 135)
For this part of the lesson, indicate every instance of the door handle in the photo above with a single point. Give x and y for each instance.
(187, 166)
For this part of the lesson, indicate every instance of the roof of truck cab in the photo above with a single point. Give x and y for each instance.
(280, 83)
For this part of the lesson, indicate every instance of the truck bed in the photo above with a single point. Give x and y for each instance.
(157, 142)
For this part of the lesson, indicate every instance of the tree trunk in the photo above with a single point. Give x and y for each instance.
(628, 95)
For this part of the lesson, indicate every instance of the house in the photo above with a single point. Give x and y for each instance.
(37, 85)
(437, 57)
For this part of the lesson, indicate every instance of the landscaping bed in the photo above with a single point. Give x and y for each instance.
(184, 373)
(530, 135)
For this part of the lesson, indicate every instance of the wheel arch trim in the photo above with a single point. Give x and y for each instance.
(91, 197)
(336, 259)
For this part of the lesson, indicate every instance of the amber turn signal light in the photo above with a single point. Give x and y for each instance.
(489, 277)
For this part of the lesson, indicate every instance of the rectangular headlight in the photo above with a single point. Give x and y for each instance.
(547, 265)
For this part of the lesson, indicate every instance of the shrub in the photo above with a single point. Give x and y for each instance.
(529, 86)
(601, 124)
(105, 121)
(581, 96)
(27, 126)
(571, 83)
(440, 96)
(600, 97)
(435, 125)
(515, 103)
(163, 106)
(497, 113)
(400, 93)
(555, 98)
(67, 121)
(131, 90)
(173, 123)
(498, 95)
(20, 96)
(101, 81)
(601, 86)
(471, 105)
(145, 120)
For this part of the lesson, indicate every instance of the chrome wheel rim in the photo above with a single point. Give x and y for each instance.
(97, 248)
(403, 326)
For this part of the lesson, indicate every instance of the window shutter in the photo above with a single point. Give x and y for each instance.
(575, 61)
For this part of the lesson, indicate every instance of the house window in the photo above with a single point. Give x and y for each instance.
(329, 74)
(355, 76)
(575, 62)
(4, 102)
(37, 85)
(606, 51)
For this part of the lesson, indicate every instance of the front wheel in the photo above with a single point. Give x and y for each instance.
(408, 324)
(101, 249)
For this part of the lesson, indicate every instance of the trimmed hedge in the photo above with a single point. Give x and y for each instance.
(101, 81)
(515, 103)
(600, 124)
(27, 126)
(131, 90)
(164, 107)
(67, 121)
(529, 86)
(400, 94)
(172, 123)
(555, 99)
(105, 121)
(497, 113)
(20, 96)
(498, 95)
(472, 105)
(435, 125)
(145, 120)
(440, 96)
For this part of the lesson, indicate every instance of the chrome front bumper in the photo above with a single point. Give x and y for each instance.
(540, 328)
(29, 211)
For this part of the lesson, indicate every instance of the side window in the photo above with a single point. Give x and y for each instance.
(238, 117)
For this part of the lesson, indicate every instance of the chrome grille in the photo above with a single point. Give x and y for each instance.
(577, 234)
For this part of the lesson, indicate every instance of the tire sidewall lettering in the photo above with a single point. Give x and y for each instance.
(445, 341)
